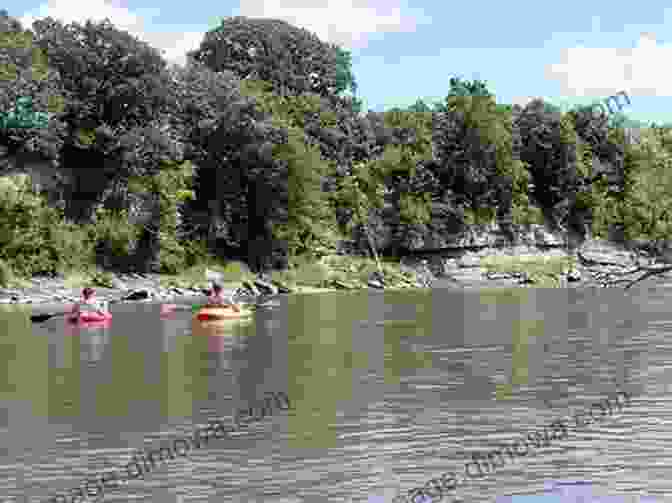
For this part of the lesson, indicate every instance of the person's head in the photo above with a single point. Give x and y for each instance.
(88, 292)
(216, 287)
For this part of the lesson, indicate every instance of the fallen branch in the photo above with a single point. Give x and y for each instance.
(649, 272)
(613, 278)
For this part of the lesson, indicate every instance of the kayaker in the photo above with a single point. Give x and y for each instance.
(89, 303)
(216, 298)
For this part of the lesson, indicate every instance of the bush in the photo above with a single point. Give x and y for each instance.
(542, 271)
(172, 187)
(172, 256)
(34, 238)
(6, 274)
(234, 271)
(303, 273)
(75, 250)
(103, 279)
(112, 234)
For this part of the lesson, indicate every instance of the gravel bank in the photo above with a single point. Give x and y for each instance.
(599, 262)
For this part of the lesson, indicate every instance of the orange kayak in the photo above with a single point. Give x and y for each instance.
(215, 313)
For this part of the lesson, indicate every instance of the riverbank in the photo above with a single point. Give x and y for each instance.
(56, 294)
(596, 263)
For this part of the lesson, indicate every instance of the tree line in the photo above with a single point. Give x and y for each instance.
(258, 149)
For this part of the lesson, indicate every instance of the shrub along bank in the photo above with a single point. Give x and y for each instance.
(253, 152)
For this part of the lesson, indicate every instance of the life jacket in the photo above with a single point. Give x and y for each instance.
(217, 299)
(91, 306)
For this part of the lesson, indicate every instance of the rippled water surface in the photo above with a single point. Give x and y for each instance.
(388, 390)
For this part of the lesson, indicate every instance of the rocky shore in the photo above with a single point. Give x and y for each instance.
(596, 264)
(47, 294)
(52, 294)
(477, 260)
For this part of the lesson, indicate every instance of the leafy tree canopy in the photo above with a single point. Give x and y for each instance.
(293, 59)
(26, 75)
(345, 79)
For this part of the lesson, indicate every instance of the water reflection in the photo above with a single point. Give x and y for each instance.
(389, 389)
(320, 363)
(93, 338)
(406, 315)
(52, 388)
(522, 331)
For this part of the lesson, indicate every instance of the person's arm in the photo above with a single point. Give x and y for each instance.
(232, 303)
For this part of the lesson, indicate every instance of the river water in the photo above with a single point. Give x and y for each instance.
(387, 391)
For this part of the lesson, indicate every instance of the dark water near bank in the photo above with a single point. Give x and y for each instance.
(388, 390)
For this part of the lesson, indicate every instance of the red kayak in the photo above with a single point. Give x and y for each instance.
(90, 317)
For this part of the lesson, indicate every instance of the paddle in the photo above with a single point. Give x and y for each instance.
(209, 276)
(39, 318)
(171, 308)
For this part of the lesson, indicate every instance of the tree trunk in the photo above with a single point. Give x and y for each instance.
(373, 249)
(374, 252)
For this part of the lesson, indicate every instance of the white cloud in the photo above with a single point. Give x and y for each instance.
(591, 71)
(175, 44)
(349, 23)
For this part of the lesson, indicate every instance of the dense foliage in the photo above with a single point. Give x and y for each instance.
(255, 150)
(294, 60)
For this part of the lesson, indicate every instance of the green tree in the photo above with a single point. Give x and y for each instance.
(419, 106)
(293, 59)
(462, 88)
(363, 191)
(411, 145)
(548, 147)
(118, 103)
(27, 74)
(111, 77)
(294, 111)
(34, 239)
(309, 227)
(475, 149)
(170, 188)
(644, 207)
(345, 79)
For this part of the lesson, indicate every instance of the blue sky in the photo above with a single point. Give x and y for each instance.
(567, 52)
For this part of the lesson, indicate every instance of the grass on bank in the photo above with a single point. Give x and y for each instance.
(233, 272)
(88, 277)
(542, 271)
(72, 279)
(337, 271)
(9, 279)
(303, 276)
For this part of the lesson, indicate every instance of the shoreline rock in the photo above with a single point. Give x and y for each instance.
(596, 261)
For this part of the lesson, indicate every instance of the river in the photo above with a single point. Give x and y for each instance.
(387, 390)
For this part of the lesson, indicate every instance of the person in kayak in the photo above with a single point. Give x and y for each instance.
(216, 298)
(89, 303)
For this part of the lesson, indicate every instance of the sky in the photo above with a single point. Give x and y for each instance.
(566, 52)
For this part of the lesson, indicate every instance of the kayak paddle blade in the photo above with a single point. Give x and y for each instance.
(39, 318)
